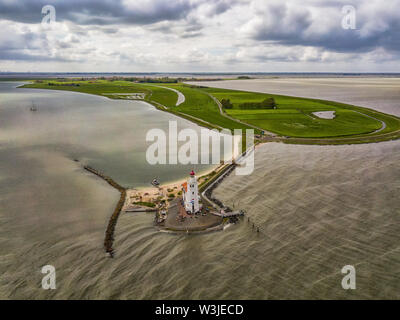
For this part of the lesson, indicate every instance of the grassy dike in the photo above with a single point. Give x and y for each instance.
(294, 117)
(293, 120)
(198, 106)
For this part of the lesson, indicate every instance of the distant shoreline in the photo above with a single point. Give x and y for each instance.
(11, 76)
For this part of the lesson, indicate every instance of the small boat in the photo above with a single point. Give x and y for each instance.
(155, 182)
(33, 107)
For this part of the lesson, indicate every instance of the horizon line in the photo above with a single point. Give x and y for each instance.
(189, 72)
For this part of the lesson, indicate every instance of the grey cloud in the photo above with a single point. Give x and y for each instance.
(26, 40)
(191, 34)
(103, 12)
(63, 45)
(284, 27)
(94, 12)
(267, 30)
(29, 46)
(110, 30)
(190, 28)
(21, 56)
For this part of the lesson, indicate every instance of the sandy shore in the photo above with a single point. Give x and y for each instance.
(152, 194)
(163, 192)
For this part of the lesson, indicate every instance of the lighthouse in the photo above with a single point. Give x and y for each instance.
(190, 192)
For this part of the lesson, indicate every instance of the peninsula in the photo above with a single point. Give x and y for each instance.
(274, 118)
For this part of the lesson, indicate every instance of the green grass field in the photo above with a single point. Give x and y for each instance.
(200, 105)
(294, 123)
(293, 117)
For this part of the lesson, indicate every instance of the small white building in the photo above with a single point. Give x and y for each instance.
(190, 193)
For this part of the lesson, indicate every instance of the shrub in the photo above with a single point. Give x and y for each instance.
(226, 104)
(268, 103)
(145, 204)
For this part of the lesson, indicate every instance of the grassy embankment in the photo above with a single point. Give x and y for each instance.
(292, 119)
(198, 106)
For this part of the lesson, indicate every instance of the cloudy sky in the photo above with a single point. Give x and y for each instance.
(200, 35)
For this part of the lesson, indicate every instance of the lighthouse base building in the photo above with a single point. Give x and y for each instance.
(190, 193)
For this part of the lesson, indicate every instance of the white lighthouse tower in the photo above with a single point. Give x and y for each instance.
(191, 198)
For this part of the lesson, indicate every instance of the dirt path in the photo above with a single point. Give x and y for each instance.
(181, 96)
(383, 122)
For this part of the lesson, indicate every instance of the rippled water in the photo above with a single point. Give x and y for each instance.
(318, 209)
(51, 210)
